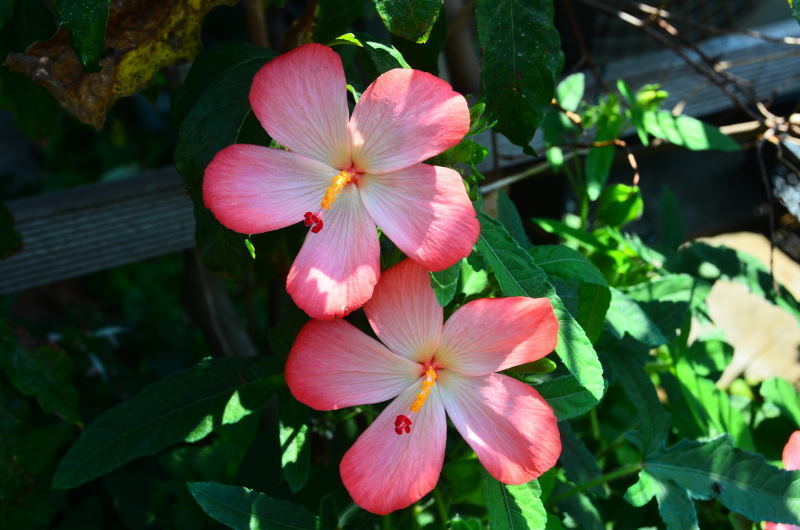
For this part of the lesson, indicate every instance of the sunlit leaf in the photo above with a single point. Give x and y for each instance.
(783, 394)
(410, 19)
(687, 132)
(445, 283)
(513, 507)
(294, 437)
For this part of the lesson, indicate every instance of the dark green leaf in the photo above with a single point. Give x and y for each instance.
(335, 17)
(521, 58)
(585, 239)
(518, 275)
(674, 504)
(593, 303)
(672, 230)
(795, 5)
(740, 480)
(508, 214)
(445, 283)
(42, 371)
(600, 158)
(424, 56)
(625, 358)
(783, 394)
(383, 57)
(10, 240)
(579, 463)
(410, 19)
(542, 366)
(513, 507)
(6, 10)
(294, 435)
(687, 132)
(567, 397)
(245, 509)
(217, 115)
(619, 204)
(626, 316)
(86, 22)
(185, 406)
(566, 264)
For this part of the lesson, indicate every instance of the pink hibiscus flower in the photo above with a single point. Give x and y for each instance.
(791, 462)
(429, 368)
(343, 175)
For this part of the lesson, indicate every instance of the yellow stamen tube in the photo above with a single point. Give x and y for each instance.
(339, 182)
(430, 379)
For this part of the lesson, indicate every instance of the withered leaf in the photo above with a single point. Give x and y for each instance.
(142, 37)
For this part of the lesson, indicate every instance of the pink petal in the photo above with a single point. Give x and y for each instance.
(425, 211)
(404, 117)
(404, 313)
(334, 365)
(507, 423)
(338, 267)
(492, 334)
(791, 452)
(780, 526)
(385, 471)
(300, 98)
(253, 189)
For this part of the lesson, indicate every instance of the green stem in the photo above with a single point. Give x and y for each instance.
(608, 477)
(441, 507)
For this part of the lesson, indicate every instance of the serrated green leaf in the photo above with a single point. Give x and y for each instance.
(642, 491)
(410, 19)
(513, 507)
(10, 240)
(675, 506)
(619, 204)
(687, 132)
(86, 22)
(518, 275)
(600, 158)
(521, 58)
(593, 303)
(445, 283)
(184, 406)
(383, 57)
(245, 509)
(567, 397)
(294, 436)
(626, 316)
(783, 394)
(41, 371)
(742, 481)
(508, 215)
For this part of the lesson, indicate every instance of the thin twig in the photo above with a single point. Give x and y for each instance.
(765, 179)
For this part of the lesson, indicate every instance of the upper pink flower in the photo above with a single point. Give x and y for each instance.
(429, 368)
(791, 462)
(342, 175)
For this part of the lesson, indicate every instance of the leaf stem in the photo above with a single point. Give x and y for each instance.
(608, 477)
(441, 507)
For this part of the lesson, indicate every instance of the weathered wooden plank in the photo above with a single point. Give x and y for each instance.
(95, 227)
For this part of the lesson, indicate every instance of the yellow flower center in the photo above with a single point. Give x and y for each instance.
(339, 182)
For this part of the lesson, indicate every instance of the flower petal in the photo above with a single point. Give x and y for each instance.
(338, 267)
(507, 423)
(333, 365)
(385, 471)
(791, 452)
(300, 98)
(425, 211)
(404, 117)
(253, 189)
(492, 334)
(404, 313)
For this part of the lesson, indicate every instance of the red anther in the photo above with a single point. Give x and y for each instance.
(398, 430)
(402, 423)
(408, 428)
(317, 225)
(308, 218)
(313, 220)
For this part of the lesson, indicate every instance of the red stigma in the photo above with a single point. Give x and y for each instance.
(313, 220)
(402, 423)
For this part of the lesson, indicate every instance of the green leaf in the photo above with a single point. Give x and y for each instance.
(336, 17)
(687, 132)
(445, 283)
(626, 316)
(425, 55)
(518, 275)
(674, 505)
(556, 126)
(620, 204)
(245, 509)
(569, 91)
(593, 303)
(740, 480)
(513, 507)
(599, 160)
(41, 371)
(294, 436)
(580, 237)
(567, 397)
(579, 463)
(795, 5)
(783, 394)
(185, 406)
(635, 111)
(542, 366)
(86, 22)
(521, 57)
(216, 101)
(566, 264)
(508, 214)
(410, 19)
(383, 57)
(672, 229)
(10, 240)
(625, 359)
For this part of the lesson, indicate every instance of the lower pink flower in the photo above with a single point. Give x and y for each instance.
(791, 462)
(430, 368)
